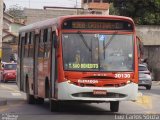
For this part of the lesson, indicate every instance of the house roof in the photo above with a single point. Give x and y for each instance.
(20, 23)
(5, 13)
(8, 34)
(12, 20)
(5, 18)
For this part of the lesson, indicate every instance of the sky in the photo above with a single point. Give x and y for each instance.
(40, 3)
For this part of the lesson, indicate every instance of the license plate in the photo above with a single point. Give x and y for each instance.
(99, 92)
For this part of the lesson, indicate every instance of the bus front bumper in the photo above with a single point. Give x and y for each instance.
(67, 91)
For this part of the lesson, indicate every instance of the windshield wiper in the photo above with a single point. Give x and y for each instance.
(110, 40)
(84, 40)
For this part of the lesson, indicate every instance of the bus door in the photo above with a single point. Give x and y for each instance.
(53, 65)
(35, 71)
(20, 68)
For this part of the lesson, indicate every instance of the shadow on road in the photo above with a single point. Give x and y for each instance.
(78, 109)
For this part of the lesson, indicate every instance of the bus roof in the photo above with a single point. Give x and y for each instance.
(52, 21)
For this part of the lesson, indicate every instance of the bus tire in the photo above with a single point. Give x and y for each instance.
(39, 100)
(30, 98)
(148, 87)
(54, 105)
(4, 80)
(47, 89)
(114, 106)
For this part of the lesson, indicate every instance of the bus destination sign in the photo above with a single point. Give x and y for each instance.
(98, 25)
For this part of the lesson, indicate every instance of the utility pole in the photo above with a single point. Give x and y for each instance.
(76, 4)
(1, 29)
(29, 3)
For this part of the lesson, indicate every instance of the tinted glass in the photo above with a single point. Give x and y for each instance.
(97, 52)
(143, 68)
(10, 66)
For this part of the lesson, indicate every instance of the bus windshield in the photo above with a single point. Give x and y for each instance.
(98, 52)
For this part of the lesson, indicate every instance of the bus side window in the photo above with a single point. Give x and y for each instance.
(41, 45)
(55, 41)
(19, 45)
(47, 43)
(45, 35)
(31, 38)
(26, 45)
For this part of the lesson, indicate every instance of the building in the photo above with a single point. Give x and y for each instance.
(10, 36)
(149, 34)
(87, 7)
(96, 6)
(35, 15)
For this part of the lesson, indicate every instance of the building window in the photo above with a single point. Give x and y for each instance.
(98, 12)
(41, 38)
(89, 1)
(105, 1)
(97, 1)
(84, 1)
(45, 35)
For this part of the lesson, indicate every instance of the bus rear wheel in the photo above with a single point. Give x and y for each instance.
(114, 106)
(30, 98)
(39, 100)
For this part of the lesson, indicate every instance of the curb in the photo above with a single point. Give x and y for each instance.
(3, 101)
(156, 82)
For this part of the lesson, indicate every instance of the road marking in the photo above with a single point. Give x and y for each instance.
(144, 100)
(7, 107)
(8, 88)
(152, 113)
(16, 94)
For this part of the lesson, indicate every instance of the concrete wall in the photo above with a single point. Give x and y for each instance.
(35, 15)
(150, 35)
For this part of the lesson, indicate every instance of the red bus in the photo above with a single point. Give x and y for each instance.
(89, 59)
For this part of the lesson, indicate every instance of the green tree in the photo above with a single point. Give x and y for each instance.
(142, 11)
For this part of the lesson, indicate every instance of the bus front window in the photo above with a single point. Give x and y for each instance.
(97, 52)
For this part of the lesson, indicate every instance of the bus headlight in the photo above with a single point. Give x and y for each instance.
(129, 81)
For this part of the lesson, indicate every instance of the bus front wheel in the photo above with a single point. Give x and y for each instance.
(114, 106)
(54, 105)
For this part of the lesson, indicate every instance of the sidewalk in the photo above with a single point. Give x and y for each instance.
(3, 101)
(156, 82)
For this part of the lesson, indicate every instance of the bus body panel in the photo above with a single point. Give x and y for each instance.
(66, 91)
(49, 75)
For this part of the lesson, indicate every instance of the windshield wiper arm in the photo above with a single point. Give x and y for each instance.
(84, 41)
(110, 40)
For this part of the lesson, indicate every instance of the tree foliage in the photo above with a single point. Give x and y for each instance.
(145, 12)
(16, 11)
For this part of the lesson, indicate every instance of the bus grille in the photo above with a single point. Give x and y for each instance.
(91, 95)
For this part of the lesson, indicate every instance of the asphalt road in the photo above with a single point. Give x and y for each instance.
(148, 103)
